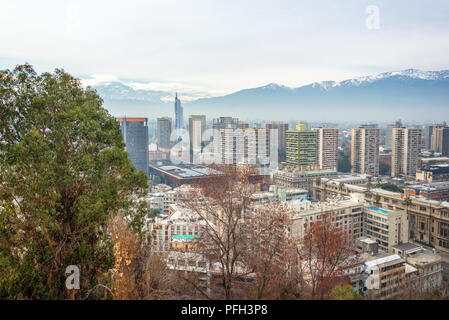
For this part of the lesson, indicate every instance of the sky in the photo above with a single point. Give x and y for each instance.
(215, 47)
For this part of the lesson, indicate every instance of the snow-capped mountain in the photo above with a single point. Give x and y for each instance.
(408, 94)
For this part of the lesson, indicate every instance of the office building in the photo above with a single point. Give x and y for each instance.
(365, 150)
(179, 115)
(135, 137)
(164, 130)
(405, 151)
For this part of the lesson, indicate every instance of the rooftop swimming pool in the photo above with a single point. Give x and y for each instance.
(378, 210)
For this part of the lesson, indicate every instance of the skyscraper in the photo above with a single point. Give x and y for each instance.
(164, 129)
(179, 115)
(197, 126)
(135, 136)
(365, 150)
(301, 147)
(281, 130)
(327, 145)
(405, 151)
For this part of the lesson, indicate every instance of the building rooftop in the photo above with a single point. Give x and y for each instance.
(406, 246)
(381, 259)
(187, 170)
(423, 258)
(378, 210)
(436, 186)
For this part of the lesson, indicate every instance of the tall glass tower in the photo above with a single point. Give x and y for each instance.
(135, 136)
(179, 118)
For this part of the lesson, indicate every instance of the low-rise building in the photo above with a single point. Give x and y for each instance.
(179, 222)
(433, 173)
(429, 275)
(380, 277)
(433, 191)
(348, 213)
(387, 227)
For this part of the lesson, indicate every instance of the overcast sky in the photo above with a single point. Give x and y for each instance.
(222, 46)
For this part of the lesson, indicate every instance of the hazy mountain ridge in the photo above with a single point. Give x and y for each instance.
(407, 94)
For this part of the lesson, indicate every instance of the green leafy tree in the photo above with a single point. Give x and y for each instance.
(63, 173)
(345, 292)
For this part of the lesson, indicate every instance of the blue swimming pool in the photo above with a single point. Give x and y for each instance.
(378, 210)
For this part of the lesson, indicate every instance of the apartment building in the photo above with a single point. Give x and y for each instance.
(428, 219)
(327, 148)
(405, 151)
(440, 140)
(348, 213)
(382, 277)
(179, 223)
(301, 147)
(197, 127)
(242, 146)
(281, 129)
(365, 150)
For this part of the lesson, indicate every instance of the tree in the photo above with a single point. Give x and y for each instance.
(271, 252)
(138, 273)
(325, 253)
(377, 197)
(345, 292)
(63, 173)
(247, 243)
(221, 204)
(344, 162)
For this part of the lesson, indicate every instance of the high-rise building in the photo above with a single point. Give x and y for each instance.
(301, 147)
(428, 136)
(242, 146)
(135, 136)
(281, 130)
(179, 116)
(228, 123)
(365, 150)
(440, 139)
(389, 135)
(405, 151)
(327, 145)
(164, 129)
(197, 126)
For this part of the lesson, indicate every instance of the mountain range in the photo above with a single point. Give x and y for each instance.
(409, 94)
